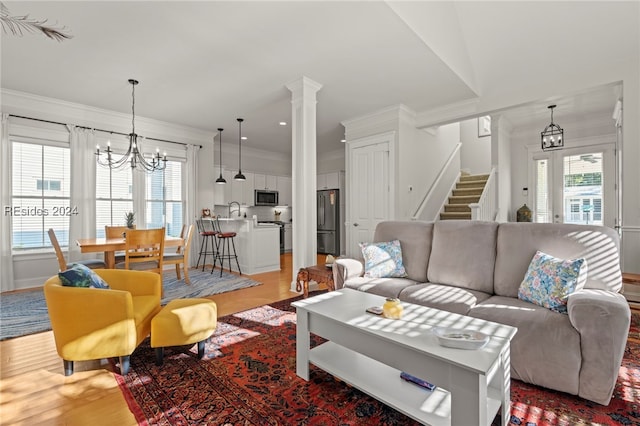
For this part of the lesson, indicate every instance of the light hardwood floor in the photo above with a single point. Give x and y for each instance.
(34, 390)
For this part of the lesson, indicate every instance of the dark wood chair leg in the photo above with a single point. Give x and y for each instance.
(201, 349)
(68, 367)
(124, 365)
(159, 356)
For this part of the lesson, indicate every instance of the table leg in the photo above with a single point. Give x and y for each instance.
(110, 259)
(468, 398)
(504, 372)
(303, 343)
(302, 282)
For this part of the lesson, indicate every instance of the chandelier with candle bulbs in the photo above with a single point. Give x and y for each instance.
(134, 156)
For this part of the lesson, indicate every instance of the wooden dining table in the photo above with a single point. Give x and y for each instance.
(111, 245)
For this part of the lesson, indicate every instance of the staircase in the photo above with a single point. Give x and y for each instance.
(468, 190)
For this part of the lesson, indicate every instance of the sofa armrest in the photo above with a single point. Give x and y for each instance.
(138, 283)
(344, 269)
(602, 318)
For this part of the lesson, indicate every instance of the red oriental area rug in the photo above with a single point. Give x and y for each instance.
(248, 378)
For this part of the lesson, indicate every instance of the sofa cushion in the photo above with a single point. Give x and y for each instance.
(550, 281)
(444, 297)
(383, 260)
(463, 254)
(415, 239)
(518, 242)
(387, 287)
(545, 350)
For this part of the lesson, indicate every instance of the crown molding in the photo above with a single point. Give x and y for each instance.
(446, 114)
(43, 108)
(381, 120)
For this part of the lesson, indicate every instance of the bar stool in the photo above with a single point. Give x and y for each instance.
(207, 231)
(223, 237)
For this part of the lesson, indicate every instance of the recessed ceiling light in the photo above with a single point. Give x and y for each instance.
(244, 138)
(343, 140)
(283, 123)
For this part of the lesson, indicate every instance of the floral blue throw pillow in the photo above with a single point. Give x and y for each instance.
(383, 260)
(81, 276)
(549, 281)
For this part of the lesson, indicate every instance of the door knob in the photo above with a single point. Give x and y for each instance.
(356, 224)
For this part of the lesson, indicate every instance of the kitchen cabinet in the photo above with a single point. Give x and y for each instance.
(241, 191)
(288, 237)
(328, 180)
(262, 181)
(258, 246)
(284, 190)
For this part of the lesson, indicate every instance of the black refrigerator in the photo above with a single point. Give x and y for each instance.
(328, 204)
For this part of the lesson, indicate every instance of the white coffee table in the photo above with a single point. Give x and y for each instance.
(369, 352)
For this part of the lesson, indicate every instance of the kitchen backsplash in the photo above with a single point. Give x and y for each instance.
(262, 212)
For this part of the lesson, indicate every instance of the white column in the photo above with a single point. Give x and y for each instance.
(303, 170)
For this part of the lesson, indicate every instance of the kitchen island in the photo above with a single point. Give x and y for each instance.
(257, 245)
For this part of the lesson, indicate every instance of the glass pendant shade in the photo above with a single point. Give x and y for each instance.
(239, 176)
(220, 180)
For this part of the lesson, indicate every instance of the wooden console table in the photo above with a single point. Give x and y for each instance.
(318, 273)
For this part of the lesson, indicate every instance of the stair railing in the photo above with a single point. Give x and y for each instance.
(486, 207)
(441, 186)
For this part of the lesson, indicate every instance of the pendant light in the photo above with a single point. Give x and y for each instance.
(552, 137)
(220, 180)
(240, 176)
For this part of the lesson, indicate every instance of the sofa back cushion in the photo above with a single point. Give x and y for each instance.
(415, 241)
(518, 243)
(463, 254)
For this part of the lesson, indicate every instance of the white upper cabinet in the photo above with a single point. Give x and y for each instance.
(241, 191)
(328, 180)
(284, 190)
(262, 181)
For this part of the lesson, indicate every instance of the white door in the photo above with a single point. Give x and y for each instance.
(576, 185)
(369, 190)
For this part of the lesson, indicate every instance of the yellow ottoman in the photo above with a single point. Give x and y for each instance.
(183, 322)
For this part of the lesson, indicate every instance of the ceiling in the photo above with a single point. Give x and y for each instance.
(203, 64)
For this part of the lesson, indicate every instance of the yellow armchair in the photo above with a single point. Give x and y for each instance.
(91, 323)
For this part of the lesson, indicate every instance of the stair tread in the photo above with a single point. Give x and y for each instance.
(467, 178)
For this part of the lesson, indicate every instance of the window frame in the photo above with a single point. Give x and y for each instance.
(61, 204)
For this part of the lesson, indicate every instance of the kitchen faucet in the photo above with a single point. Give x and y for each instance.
(231, 211)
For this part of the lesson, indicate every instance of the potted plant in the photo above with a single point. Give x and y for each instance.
(131, 219)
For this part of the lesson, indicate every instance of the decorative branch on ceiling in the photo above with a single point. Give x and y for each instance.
(18, 25)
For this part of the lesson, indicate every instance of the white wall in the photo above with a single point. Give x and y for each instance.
(425, 161)
(475, 152)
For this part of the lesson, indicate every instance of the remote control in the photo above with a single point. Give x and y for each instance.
(418, 381)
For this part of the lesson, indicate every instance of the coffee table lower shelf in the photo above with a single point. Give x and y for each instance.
(383, 383)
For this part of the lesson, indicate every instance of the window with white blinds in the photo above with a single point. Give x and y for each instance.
(164, 198)
(114, 197)
(542, 205)
(40, 194)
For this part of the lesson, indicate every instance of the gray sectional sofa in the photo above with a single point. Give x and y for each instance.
(475, 268)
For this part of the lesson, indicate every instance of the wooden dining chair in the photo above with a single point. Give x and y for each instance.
(116, 232)
(181, 257)
(62, 263)
(144, 249)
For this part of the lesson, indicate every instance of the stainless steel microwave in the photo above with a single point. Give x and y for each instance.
(266, 197)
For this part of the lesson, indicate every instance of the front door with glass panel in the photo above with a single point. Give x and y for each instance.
(576, 186)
